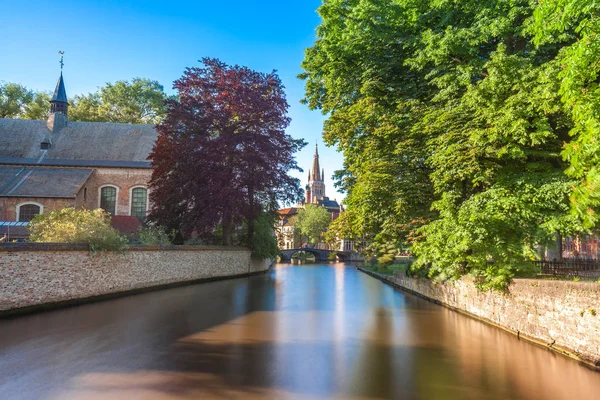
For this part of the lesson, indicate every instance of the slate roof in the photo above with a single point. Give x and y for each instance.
(329, 204)
(60, 94)
(41, 182)
(78, 144)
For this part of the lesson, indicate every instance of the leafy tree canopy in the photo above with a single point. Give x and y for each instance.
(312, 221)
(455, 126)
(141, 101)
(70, 225)
(578, 73)
(222, 156)
(13, 100)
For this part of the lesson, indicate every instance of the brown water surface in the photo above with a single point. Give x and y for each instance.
(299, 332)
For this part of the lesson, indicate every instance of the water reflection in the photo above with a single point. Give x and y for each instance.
(300, 332)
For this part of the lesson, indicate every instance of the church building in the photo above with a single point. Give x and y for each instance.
(315, 189)
(315, 194)
(53, 164)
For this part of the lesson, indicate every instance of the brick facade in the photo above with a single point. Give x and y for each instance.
(59, 163)
(34, 275)
(124, 179)
(8, 205)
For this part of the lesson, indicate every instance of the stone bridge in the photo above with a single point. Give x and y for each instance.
(320, 254)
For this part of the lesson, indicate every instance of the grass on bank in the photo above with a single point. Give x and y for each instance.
(403, 265)
(399, 265)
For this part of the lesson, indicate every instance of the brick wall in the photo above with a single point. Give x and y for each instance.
(8, 205)
(559, 314)
(124, 179)
(36, 275)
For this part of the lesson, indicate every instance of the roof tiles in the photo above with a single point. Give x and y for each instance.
(42, 182)
(86, 143)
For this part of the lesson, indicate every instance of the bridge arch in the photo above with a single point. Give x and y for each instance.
(320, 255)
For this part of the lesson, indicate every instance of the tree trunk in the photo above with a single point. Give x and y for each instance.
(227, 228)
(251, 215)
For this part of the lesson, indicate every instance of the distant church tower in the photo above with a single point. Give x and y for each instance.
(315, 189)
(59, 105)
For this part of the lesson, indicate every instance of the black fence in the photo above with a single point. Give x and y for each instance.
(570, 268)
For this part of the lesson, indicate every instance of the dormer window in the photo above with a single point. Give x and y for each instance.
(46, 143)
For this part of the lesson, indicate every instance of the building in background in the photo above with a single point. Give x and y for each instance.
(315, 194)
(53, 164)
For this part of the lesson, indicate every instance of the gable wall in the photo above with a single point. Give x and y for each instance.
(8, 205)
(123, 178)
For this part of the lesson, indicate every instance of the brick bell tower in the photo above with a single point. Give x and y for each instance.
(315, 189)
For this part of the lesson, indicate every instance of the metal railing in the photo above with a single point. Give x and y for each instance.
(570, 268)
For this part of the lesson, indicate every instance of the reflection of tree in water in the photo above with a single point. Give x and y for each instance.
(319, 332)
(462, 358)
(304, 257)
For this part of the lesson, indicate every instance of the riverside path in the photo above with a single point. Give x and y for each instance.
(297, 332)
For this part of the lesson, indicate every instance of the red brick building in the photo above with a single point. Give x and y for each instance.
(48, 165)
(315, 194)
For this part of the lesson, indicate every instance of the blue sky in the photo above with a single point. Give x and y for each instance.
(105, 41)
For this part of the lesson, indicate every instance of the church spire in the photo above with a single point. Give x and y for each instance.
(316, 168)
(315, 190)
(59, 105)
(60, 96)
(59, 102)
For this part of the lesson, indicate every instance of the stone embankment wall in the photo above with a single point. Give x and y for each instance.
(34, 276)
(562, 315)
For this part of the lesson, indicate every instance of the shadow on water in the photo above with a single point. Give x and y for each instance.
(299, 332)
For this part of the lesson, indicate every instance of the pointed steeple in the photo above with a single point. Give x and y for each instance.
(60, 93)
(316, 168)
(59, 105)
(315, 190)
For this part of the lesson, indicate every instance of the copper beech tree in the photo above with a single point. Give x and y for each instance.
(222, 156)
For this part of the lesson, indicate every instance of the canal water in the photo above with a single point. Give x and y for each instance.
(298, 332)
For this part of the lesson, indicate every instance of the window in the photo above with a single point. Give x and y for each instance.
(26, 212)
(108, 199)
(139, 202)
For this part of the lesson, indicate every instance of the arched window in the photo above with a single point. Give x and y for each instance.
(26, 212)
(139, 202)
(108, 199)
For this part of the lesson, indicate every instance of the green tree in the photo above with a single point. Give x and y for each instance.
(264, 242)
(154, 235)
(71, 225)
(312, 221)
(577, 23)
(451, 125)
(86, 108)
(141, 101)
(13, 100)
(341, 228)
(38, 108)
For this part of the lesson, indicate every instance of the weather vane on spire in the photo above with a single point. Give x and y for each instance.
(62, 54)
